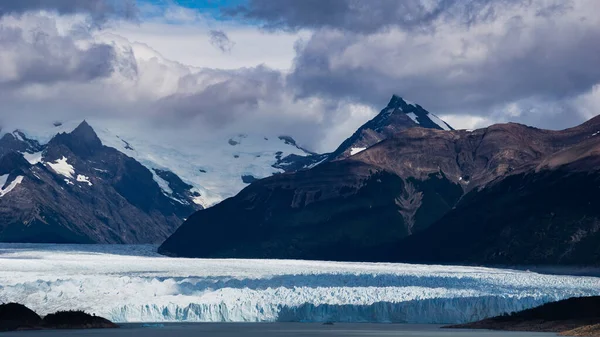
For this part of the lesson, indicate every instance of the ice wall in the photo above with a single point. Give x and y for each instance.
(133, 284)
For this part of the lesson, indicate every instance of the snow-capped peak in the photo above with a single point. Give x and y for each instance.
(416, 113)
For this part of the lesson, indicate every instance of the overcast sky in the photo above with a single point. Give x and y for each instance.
(314, 69)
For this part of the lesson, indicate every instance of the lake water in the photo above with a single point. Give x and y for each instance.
(275, 330)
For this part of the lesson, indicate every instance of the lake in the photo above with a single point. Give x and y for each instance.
(275, 330)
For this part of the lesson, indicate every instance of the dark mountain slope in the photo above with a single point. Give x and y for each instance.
(544, 216)
(338, 211)
(18, 142)
(83, 192)
(362, 207)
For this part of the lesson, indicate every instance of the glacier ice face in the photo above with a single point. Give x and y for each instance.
(134, 284)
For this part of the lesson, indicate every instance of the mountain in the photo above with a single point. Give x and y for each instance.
(217, 166)
(396, 116)
(336, 193)
(548, 214)
(76, 190)
(422, 194)
(118, 183)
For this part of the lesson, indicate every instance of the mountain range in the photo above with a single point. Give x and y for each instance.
(70, 187)
(405, 187)
(422, 192)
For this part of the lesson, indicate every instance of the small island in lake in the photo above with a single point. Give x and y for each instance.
(579, 316)
(14, 316)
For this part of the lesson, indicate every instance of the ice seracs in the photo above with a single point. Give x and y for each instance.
(132, 284)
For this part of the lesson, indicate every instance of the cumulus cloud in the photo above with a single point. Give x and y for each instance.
(523, 53)
(44, 56)
(221, 41)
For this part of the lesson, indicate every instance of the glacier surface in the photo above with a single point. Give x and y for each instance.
(134, 284)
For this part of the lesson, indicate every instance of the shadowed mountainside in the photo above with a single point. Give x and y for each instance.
(445, 186)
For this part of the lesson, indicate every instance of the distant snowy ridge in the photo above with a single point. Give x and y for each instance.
(133, 284)
(213, 168)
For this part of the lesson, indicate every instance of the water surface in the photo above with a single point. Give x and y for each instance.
(276, 330)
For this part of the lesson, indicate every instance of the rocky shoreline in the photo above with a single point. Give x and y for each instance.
(571, 317)
(14, 317)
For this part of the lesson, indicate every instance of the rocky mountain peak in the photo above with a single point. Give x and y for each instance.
(82, 141)
(415, 112)
(86, 134)
(397, 102)
(18, 141)
(398, 115)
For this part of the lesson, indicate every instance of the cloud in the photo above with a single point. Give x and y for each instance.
(476, 62)
(145, 88)
(99, 10)
(371, 16)
(221, 41)
(524, 54)
(42, 55)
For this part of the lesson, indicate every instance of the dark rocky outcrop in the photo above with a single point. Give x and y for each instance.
(76, 320)
(18, 142)
(15, 316)
(249, 179)
(580, 314)
(180, 190)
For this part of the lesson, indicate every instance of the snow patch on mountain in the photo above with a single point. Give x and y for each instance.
(439, 122)
(133, 284)
(356, 150)
(62, 167)
(33, 158)
(11, 186)
(83, 179)
(413, 117)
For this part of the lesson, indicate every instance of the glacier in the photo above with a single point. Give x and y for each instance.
(131, 283)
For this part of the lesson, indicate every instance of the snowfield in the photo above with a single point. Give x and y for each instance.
(134, 284)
